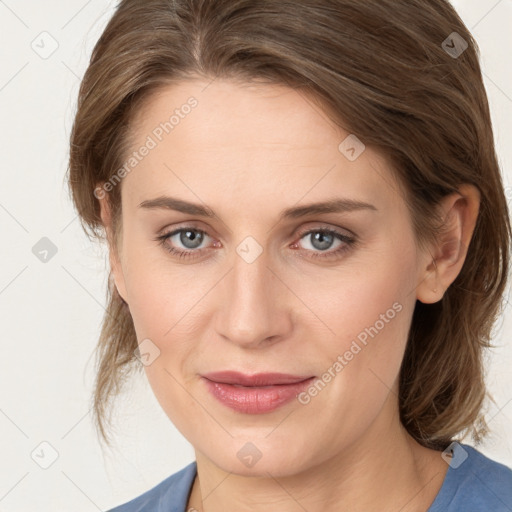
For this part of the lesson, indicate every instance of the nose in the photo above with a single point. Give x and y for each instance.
(253, 307)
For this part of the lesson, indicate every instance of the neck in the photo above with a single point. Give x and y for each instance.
(385, 470)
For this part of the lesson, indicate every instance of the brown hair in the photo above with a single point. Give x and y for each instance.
(383, 70)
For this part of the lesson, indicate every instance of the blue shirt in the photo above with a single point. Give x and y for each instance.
(473, 483)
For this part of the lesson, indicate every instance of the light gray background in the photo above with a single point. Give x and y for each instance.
(51, 312)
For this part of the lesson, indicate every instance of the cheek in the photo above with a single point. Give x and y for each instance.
(167, 308)
(162, 308)
(370, 312)
(367, 312)
(162, 294)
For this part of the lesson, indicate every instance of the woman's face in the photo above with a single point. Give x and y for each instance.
(260, 286)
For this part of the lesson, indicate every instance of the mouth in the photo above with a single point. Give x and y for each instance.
(255, 394)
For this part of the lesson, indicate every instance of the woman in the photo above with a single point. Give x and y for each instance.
(309, 243)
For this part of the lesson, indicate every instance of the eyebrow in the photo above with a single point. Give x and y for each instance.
(336, 205)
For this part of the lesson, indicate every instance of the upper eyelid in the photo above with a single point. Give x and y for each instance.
(301, 233)
(340, 231)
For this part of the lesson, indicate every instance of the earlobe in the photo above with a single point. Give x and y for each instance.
(428, 290)
(446, 257)
(114, 259)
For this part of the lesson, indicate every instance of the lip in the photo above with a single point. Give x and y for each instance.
(255, 394)
(258, 379)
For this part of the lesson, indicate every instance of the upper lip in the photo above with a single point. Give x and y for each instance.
(258, 379)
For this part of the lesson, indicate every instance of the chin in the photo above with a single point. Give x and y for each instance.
(246, 456)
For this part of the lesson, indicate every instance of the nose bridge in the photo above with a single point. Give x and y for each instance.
(249, 313)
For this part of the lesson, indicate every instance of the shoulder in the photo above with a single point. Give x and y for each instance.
(474, 482)
(170, 495)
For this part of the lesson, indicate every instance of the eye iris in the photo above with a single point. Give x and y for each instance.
(322, 237)
(195, 237)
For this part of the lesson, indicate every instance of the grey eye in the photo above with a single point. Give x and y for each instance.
(320, 240)
(190, 239)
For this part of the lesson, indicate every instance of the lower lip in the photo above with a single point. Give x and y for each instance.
(255, 400)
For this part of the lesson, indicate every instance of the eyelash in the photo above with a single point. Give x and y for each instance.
(348, 241)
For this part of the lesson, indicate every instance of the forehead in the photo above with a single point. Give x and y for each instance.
(225, 138)
(226, 112)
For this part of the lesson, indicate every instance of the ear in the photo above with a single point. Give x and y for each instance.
(113, 250)
(443, 263)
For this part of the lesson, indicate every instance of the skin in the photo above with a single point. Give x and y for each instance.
(248, 152)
